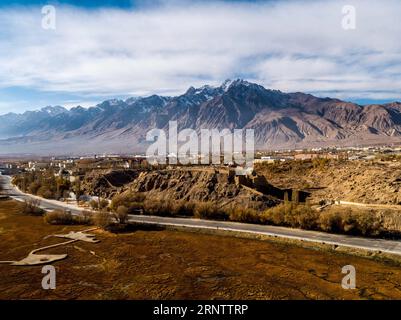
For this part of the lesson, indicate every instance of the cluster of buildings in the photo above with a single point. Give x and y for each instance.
(345, 153)
(72, 167)
(301, 156)
(9, 168)
(82, 163)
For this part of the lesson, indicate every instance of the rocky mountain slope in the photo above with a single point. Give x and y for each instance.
(280, 120)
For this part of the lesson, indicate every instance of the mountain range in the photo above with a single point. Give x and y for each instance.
(280, 120)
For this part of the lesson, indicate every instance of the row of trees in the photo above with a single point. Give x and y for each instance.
(289, 214)
(101, 218)
(47, 185)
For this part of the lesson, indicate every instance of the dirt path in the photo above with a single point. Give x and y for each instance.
(369, 205)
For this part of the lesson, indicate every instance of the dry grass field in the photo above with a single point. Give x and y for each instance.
(161, 264)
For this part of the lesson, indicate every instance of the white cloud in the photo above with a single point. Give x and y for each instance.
(290, 45)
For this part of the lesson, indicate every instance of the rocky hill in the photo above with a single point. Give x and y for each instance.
(107, 183)
(202, 184)
(221, 186)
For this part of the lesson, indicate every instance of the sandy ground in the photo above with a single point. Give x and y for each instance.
(160, 264)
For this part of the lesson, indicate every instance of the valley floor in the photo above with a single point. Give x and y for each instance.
(161, 264)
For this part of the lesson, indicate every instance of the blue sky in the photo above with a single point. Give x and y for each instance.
(79, 3)
(116, 49)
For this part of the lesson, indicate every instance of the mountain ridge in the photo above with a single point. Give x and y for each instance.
(280, 120)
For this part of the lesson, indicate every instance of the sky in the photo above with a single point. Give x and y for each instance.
(100, 50)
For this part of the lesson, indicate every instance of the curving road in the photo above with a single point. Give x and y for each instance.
(388, 246)
(8, 189)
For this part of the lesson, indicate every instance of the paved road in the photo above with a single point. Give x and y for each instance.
(388, 246)
(10, 190)
(280, 232)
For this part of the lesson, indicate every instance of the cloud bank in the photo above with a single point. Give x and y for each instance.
(288, 45)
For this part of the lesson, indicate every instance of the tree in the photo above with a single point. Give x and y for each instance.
(121, 214)
(102, 203)
(102, 219)
(32, 207)
(94, 204)
(295, 196)
(77, 189)
(285, 196)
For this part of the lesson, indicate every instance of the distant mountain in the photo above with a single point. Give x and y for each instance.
(280, 120)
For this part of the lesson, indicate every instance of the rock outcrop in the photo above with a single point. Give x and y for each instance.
(203, 184)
